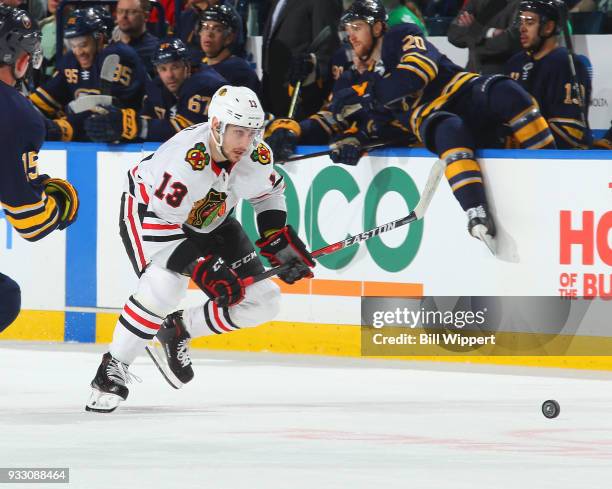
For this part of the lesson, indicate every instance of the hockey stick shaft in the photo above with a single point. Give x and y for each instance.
(435, 175)
(572, 65)
(107, 73)
(328, 151)
(314, 46)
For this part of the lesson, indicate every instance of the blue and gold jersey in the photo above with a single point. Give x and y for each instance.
(237, 72)
(22, 132)
(418, 78)
(70, 81)
(341, 60)
(169, 114)
(549, 80)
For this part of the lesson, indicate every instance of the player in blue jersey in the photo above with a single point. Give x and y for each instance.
(451, 111)
(347, 68)
(34, 204)
(78, 74)
(174, 100)
(218, 27)
(543, 70)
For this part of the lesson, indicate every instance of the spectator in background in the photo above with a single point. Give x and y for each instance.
(187, 29)
(543, 70)
(174, 101)
(78, 76)
(290, 28)
(132, 29)
(48, 45)
(489, 29)
(407, 12)
(217, 31)
(442, 8)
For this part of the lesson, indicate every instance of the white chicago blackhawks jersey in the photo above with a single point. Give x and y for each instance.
(181, 184)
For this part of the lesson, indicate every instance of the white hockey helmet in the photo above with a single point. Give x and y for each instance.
(236, 105)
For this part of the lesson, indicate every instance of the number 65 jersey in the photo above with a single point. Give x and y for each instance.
(181, 185)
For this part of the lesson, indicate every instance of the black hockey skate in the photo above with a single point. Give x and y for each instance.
(108, 386)
(481, 226)
(171, 354)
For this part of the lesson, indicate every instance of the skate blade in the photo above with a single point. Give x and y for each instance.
(159, 359)
(480, 232)
(102, 402)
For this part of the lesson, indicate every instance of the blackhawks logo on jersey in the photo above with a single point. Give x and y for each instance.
(208, 209)
(261, 154)
(197, 157)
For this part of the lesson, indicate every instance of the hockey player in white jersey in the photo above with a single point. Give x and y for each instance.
(176, 224)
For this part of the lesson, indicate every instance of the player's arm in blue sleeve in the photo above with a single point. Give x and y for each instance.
(562, 109)
(52, 97)
(320, 127)
(128, 86)
(413, 64)
(29, 210)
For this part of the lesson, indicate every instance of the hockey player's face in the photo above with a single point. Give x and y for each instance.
(529, 29)
(173, 75)
(84, 50)
(213, 38)
(237, 141)
(360, 36)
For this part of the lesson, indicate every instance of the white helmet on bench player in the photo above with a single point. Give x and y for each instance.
(238, 106)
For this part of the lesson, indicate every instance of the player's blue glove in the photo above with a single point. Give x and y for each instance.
(66, 197)
(283, 138)
(354, 102)
(348, 149)
(110, 124)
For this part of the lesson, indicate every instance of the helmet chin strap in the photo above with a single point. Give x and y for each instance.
(219, 144)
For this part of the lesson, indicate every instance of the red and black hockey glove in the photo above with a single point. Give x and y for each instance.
(283, 247)
(66, 197)
(218, 281)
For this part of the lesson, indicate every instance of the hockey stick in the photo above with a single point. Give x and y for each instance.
(328, 151)
(313, 48)
(107, 73)
(570, 58)
(435, 174)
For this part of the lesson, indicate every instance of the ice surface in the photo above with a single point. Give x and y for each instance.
(268, 421)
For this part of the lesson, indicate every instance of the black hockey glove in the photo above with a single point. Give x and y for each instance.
(284, 246)
(348, 149)
(302, 68)
(283, 138)
(354, 103)
(66, 197)
(110, 124)
(218, 281)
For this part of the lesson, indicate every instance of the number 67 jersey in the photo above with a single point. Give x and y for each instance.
(181, 185)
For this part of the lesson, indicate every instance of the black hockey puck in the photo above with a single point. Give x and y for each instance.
(551, 409)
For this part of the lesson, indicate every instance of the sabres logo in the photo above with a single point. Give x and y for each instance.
(261, 154)
(197, 157)
(206, 210)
